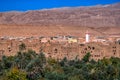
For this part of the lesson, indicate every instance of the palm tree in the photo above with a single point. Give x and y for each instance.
(22, 47)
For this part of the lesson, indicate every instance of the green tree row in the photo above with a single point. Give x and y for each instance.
(28, 65)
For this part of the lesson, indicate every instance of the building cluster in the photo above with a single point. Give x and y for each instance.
(60, 46)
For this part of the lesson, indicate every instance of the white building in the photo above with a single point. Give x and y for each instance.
(87, 36)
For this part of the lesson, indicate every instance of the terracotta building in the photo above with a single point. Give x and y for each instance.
(59, 50)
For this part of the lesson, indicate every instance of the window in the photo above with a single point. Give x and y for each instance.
(9, 50)
(81, 44)
(93, 48)
(114, 50)
(97, 55)
(85, 48)
(89, 47)
(114, 46)
(114, 53)
(49, 53)
(55, 50)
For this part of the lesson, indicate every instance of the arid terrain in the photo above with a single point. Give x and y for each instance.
(95, 16)
(37, 31)
(98, 20)
(63, 32)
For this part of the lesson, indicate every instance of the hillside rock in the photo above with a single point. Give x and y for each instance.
(96, 16)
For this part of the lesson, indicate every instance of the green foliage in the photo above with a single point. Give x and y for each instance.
(55, 76)
(31, 66)
(86, 57)
(15, 74)
(51, 61)
(36, 66)
(22, 47)
(76, 77)
(22, 59)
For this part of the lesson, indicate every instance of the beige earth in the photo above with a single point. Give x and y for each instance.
(28, 31)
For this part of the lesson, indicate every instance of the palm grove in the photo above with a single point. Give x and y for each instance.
(27, 65)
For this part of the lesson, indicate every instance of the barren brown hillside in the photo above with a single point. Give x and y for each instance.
(96, 16)
(98, 20)
(15, 30)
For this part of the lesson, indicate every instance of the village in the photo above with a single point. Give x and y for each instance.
(62, 46)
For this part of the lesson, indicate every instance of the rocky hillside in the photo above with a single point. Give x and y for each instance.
(95, 16)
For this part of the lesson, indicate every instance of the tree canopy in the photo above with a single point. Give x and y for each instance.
(32, 66)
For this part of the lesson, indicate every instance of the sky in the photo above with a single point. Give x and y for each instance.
(25, 5)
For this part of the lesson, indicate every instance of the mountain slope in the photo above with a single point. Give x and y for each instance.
(96, 16)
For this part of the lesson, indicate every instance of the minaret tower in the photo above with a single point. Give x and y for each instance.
(87, 36)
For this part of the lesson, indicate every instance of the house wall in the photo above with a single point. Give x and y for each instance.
(64, 49)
